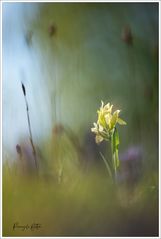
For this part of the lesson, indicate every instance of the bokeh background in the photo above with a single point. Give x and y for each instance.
(70, 56)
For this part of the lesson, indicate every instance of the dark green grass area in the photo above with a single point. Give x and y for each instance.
(84, 203)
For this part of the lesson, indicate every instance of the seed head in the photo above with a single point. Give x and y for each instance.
(18, 149)
(127, 36)
(23, 89)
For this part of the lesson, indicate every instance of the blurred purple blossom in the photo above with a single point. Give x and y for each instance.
(131, 165)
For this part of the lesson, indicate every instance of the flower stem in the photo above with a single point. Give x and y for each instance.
(106, 164)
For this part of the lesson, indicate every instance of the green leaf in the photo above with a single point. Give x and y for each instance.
(116, 138)
(115, 144)
(121, 121)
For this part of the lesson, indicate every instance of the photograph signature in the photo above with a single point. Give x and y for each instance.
(32, 227)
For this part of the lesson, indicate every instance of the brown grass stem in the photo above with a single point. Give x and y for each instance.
(29, 126)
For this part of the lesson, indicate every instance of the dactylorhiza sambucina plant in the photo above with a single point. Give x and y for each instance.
(105, 129)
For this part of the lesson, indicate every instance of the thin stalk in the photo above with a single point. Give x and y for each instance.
(106, 164)
(29, 126)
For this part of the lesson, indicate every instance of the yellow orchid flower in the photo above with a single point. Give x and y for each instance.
(105, 129)
(106, 122)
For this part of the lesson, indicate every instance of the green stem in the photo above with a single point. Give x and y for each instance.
(106, 164)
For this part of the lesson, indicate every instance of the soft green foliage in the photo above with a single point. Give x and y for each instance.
(86, 205)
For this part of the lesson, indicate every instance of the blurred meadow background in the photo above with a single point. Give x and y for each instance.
(69, 57)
